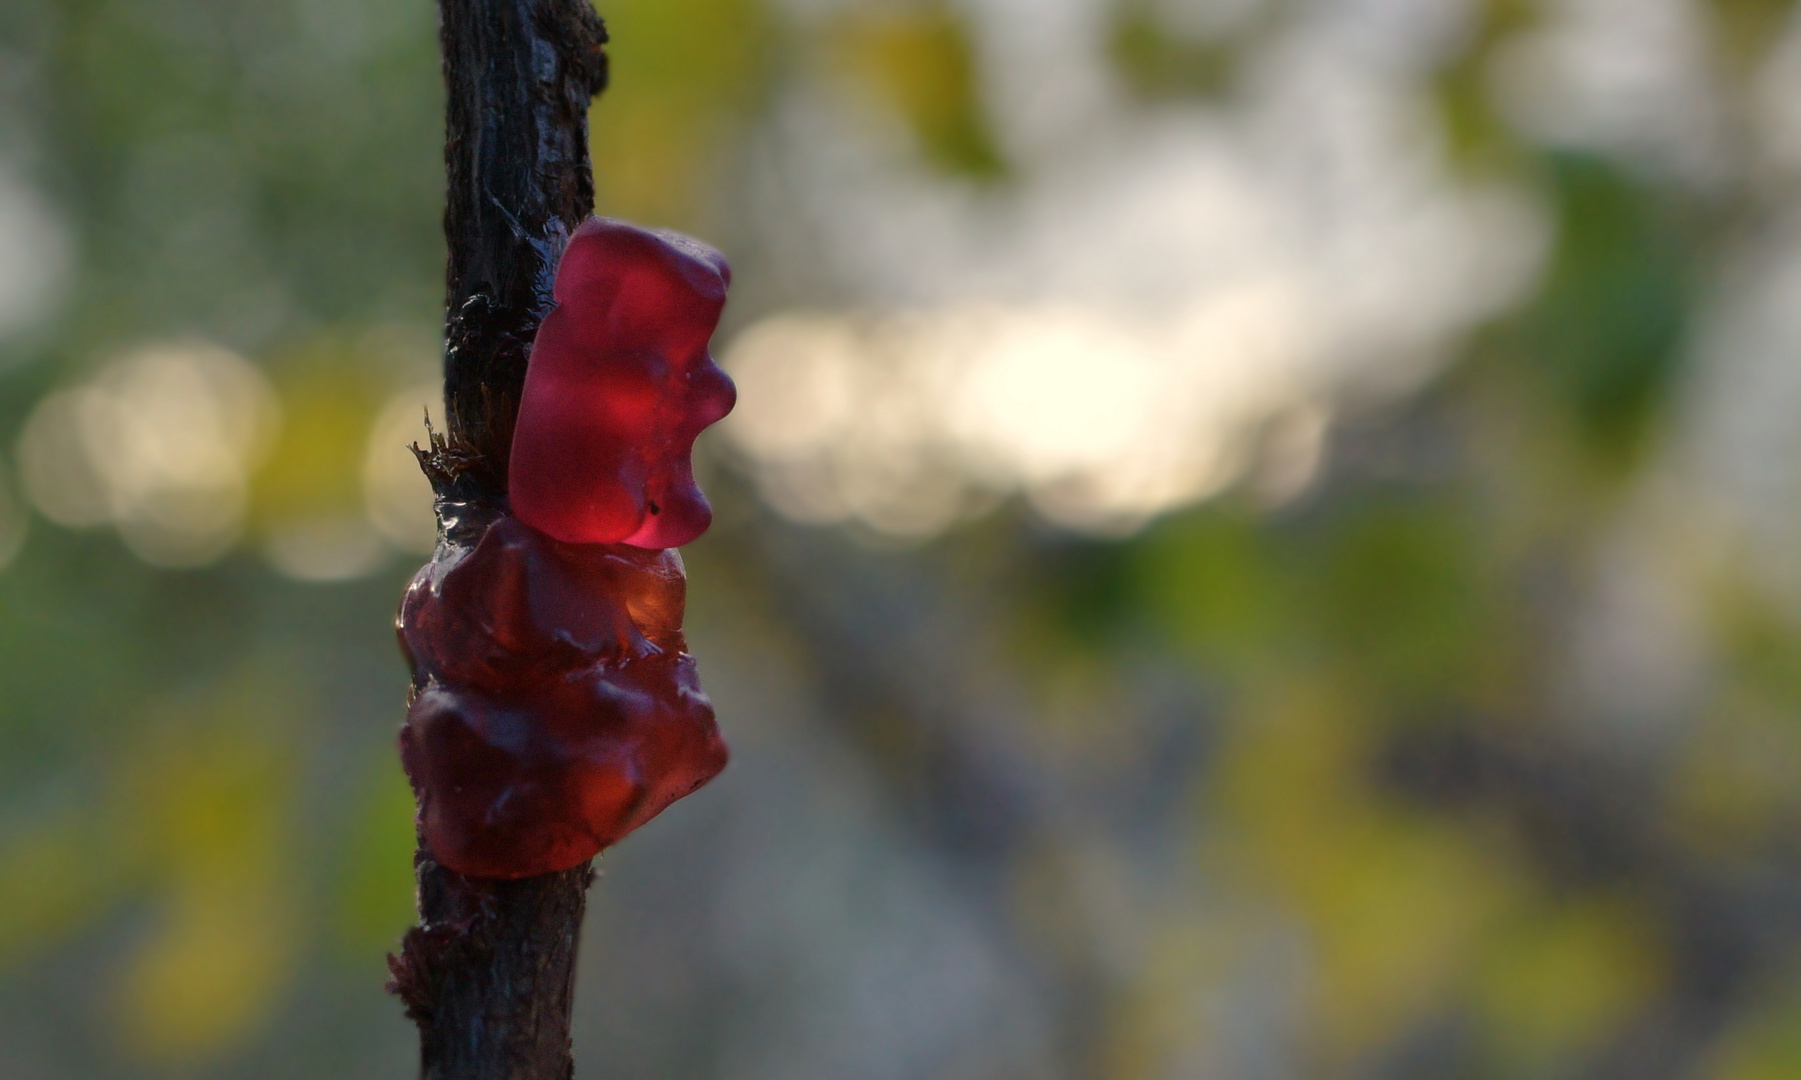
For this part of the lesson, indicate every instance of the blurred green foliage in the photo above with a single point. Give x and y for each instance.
(1610, 324)
(920, 60)
(1160, 64)
(684, 71)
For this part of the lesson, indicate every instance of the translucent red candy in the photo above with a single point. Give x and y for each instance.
(555, 707)
(619, 385)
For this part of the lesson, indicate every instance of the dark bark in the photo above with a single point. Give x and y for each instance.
(519, 76)
(489, 972)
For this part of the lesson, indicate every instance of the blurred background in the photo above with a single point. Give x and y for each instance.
(1259, 539)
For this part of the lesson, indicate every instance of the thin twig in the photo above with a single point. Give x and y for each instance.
(488, 974)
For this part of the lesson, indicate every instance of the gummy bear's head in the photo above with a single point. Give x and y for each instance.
(620, 384)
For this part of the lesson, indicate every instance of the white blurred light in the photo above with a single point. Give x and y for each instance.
(35, 255)
(325, 549)
(1623, 75)
(59, 475)
(909, 422)
(1776, 101)
(1053, 393)
(160, 444)
(1160, 302)
(396, 494)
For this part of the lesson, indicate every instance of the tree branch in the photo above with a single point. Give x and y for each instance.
(489, 973)
(519, 76)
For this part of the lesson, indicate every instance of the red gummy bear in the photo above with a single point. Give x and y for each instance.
(619, 385)
(555, 708)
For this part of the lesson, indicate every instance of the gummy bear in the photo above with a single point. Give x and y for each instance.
(555, 707)
(619, 385)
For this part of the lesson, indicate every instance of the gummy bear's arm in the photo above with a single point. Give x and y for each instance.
(654, 589)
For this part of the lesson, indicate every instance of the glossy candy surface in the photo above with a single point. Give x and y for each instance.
(555, 706)
(619, 385)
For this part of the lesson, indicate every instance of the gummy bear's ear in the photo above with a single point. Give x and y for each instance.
(705, 254)
(600, 244)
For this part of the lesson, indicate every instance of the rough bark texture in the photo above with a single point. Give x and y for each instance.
(489, 972)
(519, 75)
